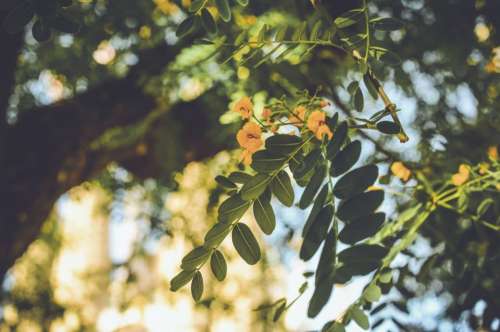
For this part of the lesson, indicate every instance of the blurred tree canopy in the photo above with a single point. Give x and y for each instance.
(123, 93)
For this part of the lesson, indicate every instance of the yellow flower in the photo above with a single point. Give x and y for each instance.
(317, 124)
(246, 157)
(244, 107)
(483, 168)
(493, 152)
(324, 103)
(249, 137)
(298, 116)
(400, 171)
(462, 176)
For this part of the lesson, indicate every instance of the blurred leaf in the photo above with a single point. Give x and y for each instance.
(239, 177)
(41, 32)
(388, 127)
(225, 182)
(316, 233)
(360, 317)
(224, 10)
(370, 86)
(372, 293)
(181, 279)
(18, 17)
(386, 24)
(348, 18)
(186, 27)
(208, 21)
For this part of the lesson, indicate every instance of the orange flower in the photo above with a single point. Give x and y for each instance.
(493, 152)
(249, 137)
(462, 176)
(246, 157)
(298, 116)
(317, 124)
(324, 103)
(244, 107)
(266, 113)
(400, 171)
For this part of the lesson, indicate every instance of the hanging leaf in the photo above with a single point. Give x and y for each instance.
(362, 228)
(370, 86)
(197, 286)
(245, 243)
(312, 187)
(281, 187)
(326, 264)
(356, 181)
(255, 187)
(218, 265)
(339, 138)
(217, 234)
(225, 182)
(361, 259)
(41, 31)
(18, 17)
(318, 204)
(346, 158)
(224, 10)
(233, 208)
(360, 205)
(348, 18)
(208, 21)
(359, 317)
(309, 162)
(320, 297)
(239, 177)
(195, 258)
(181, 279)
(386, 24)
(279, 311)
(316, 233)
(186, 27)
(388, 127)
(283, 144)
(359, 101)
(266, 162)
(264, 214)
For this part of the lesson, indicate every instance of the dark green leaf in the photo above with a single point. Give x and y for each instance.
(181, 279)
(239, 177)
(264, 214)
(218, 265)
(315, 30)
(308, 163)
(316, 233)
(359, 101)
(360, 205)
(362, 228)
(356, 181)
(225, 182)
(255, 187)
(386, 24)
(18, 17)
(360, 317)
(326, 264)
(318, 204)
(339, 137)
(281, 187)
(348, 18)
(320, 297)
(196, 5)
(346, 158)
(197, 286)
(195, 258)
(186, 27)
(281, 33)
(243, 2)
(224, 10)
(353, 87)
(41, 32)
(217, 234)
(208, 21)
(312, 187)
(388, 127)
(283, 144)
(370, 86)
(265, 162)
(361, 259)
(245, 243)
(333, 327)
(279, 311)
(233, 208)
(390, 58)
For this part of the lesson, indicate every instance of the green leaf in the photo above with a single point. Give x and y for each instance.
(372, 293)
(484, 206)
(239, 177)
(299, 32)
(264, 214)
(224, 10)
(181, 279)
(255, 187)
(346, 158)
(409, 213)
(334, 327)
(356, 181)
(320, 297)
(318, 204)
(348, 18)
(186, 27)
(242, 2)
(279, 311)
(360, 317)
(360, 205)
(386, 24)
(390, 58)
(18, 17)
(266, 162)
(245, 243)
(218, 265)
(326, 264)
(339, 138)
(315, 30)
(353, 87)
(362, 228)
(195, 258)
(361, 259)
(208, 21)
(217, 234)
(197, 286)
(280, 34)
(388, 127)
(41, 31)
(359, 102)
(225, 182)
(312, 187)
(370, 86)
(281, 187)
(232, 208)
(308, 163)
(283, 144)
(316, 233)
(196, 5)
